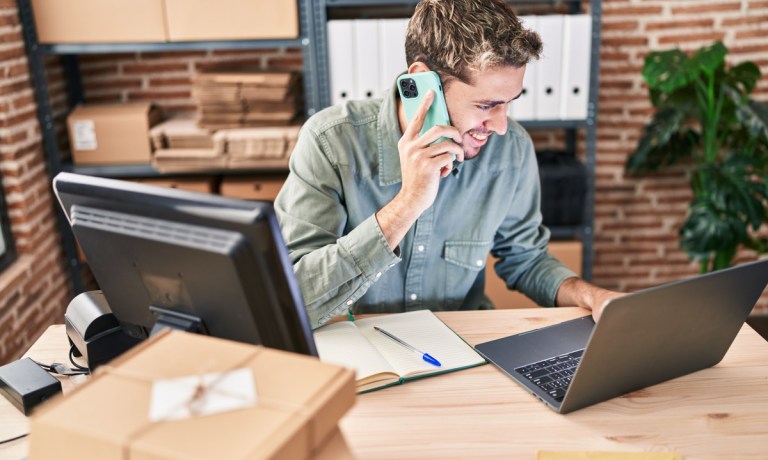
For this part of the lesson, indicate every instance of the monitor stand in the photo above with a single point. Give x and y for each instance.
(175, 320)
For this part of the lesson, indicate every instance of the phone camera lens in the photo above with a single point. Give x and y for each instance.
(404, 83)
(412, 87)
(407, 93)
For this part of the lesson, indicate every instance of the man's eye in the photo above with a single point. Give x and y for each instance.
(484, 107)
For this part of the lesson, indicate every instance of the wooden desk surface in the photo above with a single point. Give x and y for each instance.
(716, 413)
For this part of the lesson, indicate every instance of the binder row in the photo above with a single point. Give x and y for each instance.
(556, 87)
(366, 55)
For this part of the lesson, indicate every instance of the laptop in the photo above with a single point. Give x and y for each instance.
(643, 338)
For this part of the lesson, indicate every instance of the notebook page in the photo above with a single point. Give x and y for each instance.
(423, 330)
(341, 343)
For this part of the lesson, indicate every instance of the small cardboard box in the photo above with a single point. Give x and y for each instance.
(111, 133)
(99, 21)
(190, 20)
(200, 185)
(252, 188)
(299, 403)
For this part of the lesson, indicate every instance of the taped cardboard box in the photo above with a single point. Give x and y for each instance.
(190, 20)
(252, 188)
(111, 133)
(299, 403)
(99, 21)
(200, 185)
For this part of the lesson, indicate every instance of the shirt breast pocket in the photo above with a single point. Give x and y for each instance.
(464, 260)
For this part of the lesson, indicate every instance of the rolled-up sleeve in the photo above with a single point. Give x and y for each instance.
(333, 269)
(521, 242)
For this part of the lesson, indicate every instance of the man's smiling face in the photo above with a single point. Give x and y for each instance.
(479, 109)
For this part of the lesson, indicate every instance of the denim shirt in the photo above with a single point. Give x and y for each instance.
(346, 166)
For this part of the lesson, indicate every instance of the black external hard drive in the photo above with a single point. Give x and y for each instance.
(25, 384)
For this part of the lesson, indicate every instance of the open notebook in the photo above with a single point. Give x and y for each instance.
(381, 362)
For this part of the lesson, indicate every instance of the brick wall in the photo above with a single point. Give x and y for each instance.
(636, 219)
(33, 290)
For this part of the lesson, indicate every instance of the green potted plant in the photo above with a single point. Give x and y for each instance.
(706, 120)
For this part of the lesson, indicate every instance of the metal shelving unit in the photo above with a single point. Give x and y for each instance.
(58, 161)
(313, 16)
(582, 232)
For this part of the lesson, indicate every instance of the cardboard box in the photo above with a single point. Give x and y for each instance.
(299, 403)
(567, 252)
(200, 185)
(99, 21)
(251, 188)
(111, 133)
(191, 20)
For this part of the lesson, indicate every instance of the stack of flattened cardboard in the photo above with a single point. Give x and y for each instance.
(243, 98)
(181, 145)
(257, 147)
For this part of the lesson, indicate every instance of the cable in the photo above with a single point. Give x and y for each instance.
(72, 360)
(4, 441)
(60, 369)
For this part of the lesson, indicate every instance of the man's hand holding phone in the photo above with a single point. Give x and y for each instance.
(427, 150)
(423, 161)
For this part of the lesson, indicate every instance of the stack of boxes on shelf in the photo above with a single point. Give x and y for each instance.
(240, 98)
(246, 119)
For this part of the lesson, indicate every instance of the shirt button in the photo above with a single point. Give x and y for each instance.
(414, 296)
(421, 248)
(349, 302)
(479, 263)
(378, 275)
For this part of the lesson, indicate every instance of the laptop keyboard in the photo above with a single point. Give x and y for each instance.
(553, 375)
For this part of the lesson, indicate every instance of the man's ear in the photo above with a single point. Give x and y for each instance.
(417, 67)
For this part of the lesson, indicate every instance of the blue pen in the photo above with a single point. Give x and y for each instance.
(426, 357)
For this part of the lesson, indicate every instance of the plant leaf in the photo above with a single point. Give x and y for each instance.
(743, 76)
(708, 230)
(668, 70)
(754, 116)
(663, 143)
(710, 58)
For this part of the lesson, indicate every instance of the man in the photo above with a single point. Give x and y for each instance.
(378, 220)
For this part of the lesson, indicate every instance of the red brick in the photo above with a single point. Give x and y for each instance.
(685, 38)
(172, 55)
(158, 95)
(623, 26)
(145, 68)
(169, 81)
(624, 41)
(751, 34)
(746, 20)
(680, 24)
(609, 10)
(606, 55)
(706, 8)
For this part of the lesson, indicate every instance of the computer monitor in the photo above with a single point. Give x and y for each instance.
(194, 261)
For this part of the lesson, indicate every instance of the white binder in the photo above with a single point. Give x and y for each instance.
(547, 104)
(521, 109)
(577, 41)
(340, 55)
(391, 52)
(365, 35)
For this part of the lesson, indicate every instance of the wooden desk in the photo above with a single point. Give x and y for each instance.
(717, 413)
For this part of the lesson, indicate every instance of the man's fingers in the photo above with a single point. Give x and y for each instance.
(415, 125)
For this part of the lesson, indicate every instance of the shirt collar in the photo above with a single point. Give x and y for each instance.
(388, 137)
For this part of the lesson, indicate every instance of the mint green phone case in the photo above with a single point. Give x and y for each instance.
(424, 81)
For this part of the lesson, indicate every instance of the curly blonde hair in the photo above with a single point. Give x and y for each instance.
(457, 38)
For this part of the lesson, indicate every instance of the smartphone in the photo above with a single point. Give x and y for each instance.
(413, 87)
